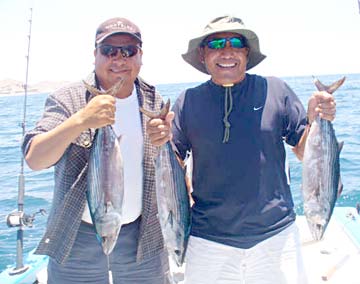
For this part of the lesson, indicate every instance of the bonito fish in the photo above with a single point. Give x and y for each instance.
(105, 181)
(172, 197)
(321, 183)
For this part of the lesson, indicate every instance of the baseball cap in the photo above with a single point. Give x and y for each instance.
(116, 26)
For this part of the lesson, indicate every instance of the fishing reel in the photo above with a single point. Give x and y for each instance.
(19, 218)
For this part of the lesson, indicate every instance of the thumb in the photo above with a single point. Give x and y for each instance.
(170, 117)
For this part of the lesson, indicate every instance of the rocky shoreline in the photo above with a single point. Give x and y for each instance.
(14, 87)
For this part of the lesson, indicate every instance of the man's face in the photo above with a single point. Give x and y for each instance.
(115, 65)
(226, 63)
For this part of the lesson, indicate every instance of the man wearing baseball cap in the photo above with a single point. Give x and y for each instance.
(235, 125)
(63, 138)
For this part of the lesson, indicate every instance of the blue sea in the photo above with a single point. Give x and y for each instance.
(39, 185)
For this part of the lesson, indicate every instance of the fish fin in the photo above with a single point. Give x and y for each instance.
(108, 205)
(330, 88)
(340, 187)
(340, 145)
(170, 219)
(118, 138)
(177, 154)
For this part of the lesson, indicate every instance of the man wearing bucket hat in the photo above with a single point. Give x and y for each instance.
(235, 125)
(63, 137)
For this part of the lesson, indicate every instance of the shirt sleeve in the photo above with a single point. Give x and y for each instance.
(54, 114)
(295, 117)
(179, 127)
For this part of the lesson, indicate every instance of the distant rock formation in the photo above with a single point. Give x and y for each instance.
(10, 86)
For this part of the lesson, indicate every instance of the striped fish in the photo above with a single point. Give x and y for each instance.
(105, 181)
(172, 197)
(321, 183)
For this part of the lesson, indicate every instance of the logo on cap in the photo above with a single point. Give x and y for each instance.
(120, 26)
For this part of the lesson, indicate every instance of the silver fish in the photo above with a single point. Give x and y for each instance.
(105, 181)
(321, 183)
(172, 196)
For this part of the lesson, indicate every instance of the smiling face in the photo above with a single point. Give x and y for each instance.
(225, 65)
(110, 69)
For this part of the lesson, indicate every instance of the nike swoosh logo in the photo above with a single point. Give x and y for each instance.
(257, 108)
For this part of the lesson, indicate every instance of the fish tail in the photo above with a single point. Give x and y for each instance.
(148, 113)
(162, 114)
(115, 88)
(112, 91)
(330, 88)
(92, 89)
(165, 109)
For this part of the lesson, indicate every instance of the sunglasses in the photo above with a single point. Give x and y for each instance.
(219, 43)
(126, 51)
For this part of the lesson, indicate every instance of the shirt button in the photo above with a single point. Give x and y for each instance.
(87, 143)
(47, 241)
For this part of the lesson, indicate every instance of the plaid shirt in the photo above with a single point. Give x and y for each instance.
(70, 173)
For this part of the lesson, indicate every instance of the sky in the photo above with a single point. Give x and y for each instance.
(300, 38)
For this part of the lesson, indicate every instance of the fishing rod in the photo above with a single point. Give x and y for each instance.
(19, 218)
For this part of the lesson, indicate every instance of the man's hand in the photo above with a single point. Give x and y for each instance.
(322, 104)
(159, 130)
(99, 112)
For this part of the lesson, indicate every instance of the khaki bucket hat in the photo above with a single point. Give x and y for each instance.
(224, 24)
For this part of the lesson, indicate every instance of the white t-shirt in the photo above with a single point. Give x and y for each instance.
(128, 125)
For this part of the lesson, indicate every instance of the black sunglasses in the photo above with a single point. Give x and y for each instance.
(112, 51)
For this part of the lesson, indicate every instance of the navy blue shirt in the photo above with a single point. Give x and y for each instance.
(241, 192)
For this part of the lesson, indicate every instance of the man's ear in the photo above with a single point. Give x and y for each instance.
(247, 53)
(201, 54)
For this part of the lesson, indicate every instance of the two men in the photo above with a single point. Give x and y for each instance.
(235, 125)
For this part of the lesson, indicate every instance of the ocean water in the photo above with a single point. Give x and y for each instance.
(39, 185)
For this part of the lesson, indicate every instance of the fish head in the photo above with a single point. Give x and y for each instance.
(318, 231)
(108, 243)
(317, 225)
(178, 256)
(108, 226)
(180, 244)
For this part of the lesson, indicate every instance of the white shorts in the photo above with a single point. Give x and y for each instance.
(275, 260)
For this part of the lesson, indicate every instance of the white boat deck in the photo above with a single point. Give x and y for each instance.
(333, 260)
(336, 258)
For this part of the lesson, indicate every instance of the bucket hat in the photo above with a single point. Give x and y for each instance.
(224, 24)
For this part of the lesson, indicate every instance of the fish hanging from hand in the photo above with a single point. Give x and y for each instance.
(321, 182)
(105, 180)
(172, 196)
